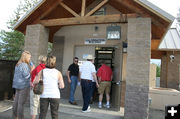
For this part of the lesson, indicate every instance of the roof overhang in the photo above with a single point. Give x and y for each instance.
(50, 9)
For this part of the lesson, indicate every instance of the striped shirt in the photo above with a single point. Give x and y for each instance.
(21, 76)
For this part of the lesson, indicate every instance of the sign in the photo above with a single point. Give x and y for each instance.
(95, 41)
(113, 32)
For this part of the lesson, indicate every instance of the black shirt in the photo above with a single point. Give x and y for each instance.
(74, 70)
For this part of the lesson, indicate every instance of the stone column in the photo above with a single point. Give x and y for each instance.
(173, 70)
(58, 51)
(138, 68)
(36, 41)
(163, 78)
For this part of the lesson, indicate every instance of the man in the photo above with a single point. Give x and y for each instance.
(72, 75)
(105, 77)
(87, 74)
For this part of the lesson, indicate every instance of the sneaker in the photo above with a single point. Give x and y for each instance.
(88, 110)
(89, 107)
(73, 103)
(107, 106)
(99, 106)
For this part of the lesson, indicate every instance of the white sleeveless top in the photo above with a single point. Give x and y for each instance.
(50, 79)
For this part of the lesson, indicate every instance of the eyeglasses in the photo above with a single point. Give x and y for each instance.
(75, 60)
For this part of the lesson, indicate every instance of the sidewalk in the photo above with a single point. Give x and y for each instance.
(68, 111)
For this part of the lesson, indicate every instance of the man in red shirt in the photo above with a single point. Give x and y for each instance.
(105, 77)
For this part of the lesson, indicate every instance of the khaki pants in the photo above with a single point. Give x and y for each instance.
(19, 101)
(34, 103)
(104, 86)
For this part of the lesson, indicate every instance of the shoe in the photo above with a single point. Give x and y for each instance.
(88, 110)
(89, 107)
(99, 106)
(73, 103)
(107, 106)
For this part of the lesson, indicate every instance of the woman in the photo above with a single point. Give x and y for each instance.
(21, 84)
(34, 99)
(53, 80)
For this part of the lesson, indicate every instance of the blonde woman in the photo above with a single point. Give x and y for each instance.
(34, 99)
(53, 80)
(21, 83)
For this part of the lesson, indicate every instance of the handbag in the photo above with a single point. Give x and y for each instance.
(39, 87)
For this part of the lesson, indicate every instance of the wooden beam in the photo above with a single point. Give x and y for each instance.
(88, 20)
(155, 54)
(155, 44)
(68, 9)
(49, 10)
(131, 5)
(97, 7)
(83, 8)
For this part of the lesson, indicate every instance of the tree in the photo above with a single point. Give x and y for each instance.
(13, 41)
(158, 70)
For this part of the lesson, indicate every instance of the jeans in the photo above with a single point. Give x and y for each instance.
(93, 88)
(74, 80)
(54, 105)
(19, 101)
(86, 92)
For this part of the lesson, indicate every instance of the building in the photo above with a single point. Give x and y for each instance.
(104, 28)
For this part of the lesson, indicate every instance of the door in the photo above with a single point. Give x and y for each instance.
(117, 78)
(79, 52)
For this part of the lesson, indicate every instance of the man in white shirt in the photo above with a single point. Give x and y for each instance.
(87, 74)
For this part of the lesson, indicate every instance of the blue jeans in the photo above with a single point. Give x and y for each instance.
(93, 88)
(86, 92)
(74, 80)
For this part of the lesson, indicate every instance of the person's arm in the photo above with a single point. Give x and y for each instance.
(61, 81)
(95, 79)
(68, 76)
(37, 78)
(25, 71)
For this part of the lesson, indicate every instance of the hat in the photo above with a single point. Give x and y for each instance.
(89, 56)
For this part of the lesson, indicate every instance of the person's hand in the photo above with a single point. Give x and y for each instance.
(31, 85)
(69, 80)
(97, 85)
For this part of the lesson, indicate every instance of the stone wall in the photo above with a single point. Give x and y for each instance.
(170, 71)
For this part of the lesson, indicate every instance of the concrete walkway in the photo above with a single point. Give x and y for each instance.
(66, 111)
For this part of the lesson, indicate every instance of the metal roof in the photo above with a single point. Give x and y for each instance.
(155, 9)
(171, 41)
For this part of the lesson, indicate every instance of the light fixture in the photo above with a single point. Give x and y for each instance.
(125, 47)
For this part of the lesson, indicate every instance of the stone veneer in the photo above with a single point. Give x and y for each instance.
(36, 41)
(170, 71)
(138, 68)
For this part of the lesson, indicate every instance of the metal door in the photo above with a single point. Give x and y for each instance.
(117, 78)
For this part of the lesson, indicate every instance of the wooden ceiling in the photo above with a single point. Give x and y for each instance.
(58, 9)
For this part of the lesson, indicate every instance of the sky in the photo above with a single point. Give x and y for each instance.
(7, 8)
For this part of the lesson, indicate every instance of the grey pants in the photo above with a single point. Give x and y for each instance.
(54, 105)
(19, 101)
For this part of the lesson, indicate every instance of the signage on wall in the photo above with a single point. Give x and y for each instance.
(95, 41)
(113, 32)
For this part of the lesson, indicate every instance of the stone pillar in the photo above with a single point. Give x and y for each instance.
(58, 51)
(163, 78)
(36, 41)
(138, 68)
(173, 70)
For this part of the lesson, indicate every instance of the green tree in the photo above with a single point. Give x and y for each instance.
(158, 70)
(12, 42)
